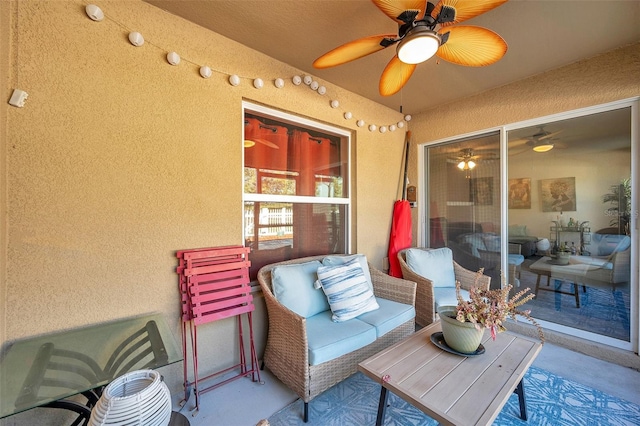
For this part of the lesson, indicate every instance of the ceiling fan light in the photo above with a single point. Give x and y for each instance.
(543, 147)
(418, 45)
(466, 165)
(248, 143)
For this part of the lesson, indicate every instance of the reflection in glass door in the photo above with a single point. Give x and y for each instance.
(569, 200)
(464, 201)
(569, 207)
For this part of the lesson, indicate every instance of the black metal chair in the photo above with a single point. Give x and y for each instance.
(143, 349)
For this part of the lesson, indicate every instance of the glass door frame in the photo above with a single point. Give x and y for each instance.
(634, 105)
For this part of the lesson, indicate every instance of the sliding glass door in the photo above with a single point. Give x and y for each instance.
(552, 202)
(570, 193)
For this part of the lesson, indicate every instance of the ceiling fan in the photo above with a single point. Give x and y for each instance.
(541, 141)
(467, 159)
(424, 30)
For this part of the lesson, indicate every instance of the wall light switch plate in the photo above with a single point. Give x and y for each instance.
(18, 97)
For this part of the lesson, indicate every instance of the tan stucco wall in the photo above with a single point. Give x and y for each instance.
(606, 78)
(119, 159)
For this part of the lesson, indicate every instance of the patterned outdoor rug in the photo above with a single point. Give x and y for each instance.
(551, 400)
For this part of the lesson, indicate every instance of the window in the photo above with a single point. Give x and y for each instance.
(296, 187)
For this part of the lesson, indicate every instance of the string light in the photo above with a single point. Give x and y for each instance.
(135, 38)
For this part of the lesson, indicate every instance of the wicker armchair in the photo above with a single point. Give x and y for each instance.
(287, 354)
(425, 301)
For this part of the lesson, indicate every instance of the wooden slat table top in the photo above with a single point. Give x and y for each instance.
(453, 389)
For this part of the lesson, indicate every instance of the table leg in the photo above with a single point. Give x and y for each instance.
(382, 405)
(522, 400)
(577, 293)
(537, 284)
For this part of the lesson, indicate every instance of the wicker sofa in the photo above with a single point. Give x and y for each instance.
(287, 351)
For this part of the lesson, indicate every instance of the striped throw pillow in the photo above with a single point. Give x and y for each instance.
(347, 290)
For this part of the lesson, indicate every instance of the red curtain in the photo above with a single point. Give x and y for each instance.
(309, 156)
(270, 143)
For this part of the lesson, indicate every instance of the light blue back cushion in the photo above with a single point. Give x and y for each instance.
(435, 265)
(342, 259)
(293, 287)
(347, 290)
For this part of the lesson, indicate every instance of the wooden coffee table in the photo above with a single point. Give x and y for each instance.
(572, 271)
(453, 389)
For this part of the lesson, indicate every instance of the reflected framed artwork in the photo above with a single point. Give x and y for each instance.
(520, 193)
(558, 195)
(481, 191)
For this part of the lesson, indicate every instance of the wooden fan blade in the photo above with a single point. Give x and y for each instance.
(395, 8)
(395, 76)
(516, 142)
(550, 135)
(466, 9)
(267, 143)
(353, 50)
(472, 46)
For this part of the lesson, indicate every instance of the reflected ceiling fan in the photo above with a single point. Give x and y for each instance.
(541, 141)
(424, 30)
(467, 159)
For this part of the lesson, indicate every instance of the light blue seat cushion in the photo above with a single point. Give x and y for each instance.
(293, 287)
(447, 296)
(435, 265)
(390, 315)
(515, 259)
(341, 259)
(347, 290)
(329, 340)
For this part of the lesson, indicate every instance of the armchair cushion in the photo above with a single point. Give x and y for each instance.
(445, 296)
(347, 290)
(435, 265)
(293, 287)
(329, 340)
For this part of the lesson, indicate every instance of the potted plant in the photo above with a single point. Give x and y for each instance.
(620, 210)
(486, 309)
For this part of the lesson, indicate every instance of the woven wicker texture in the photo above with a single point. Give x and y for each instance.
(425, 303)
(287, 354)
